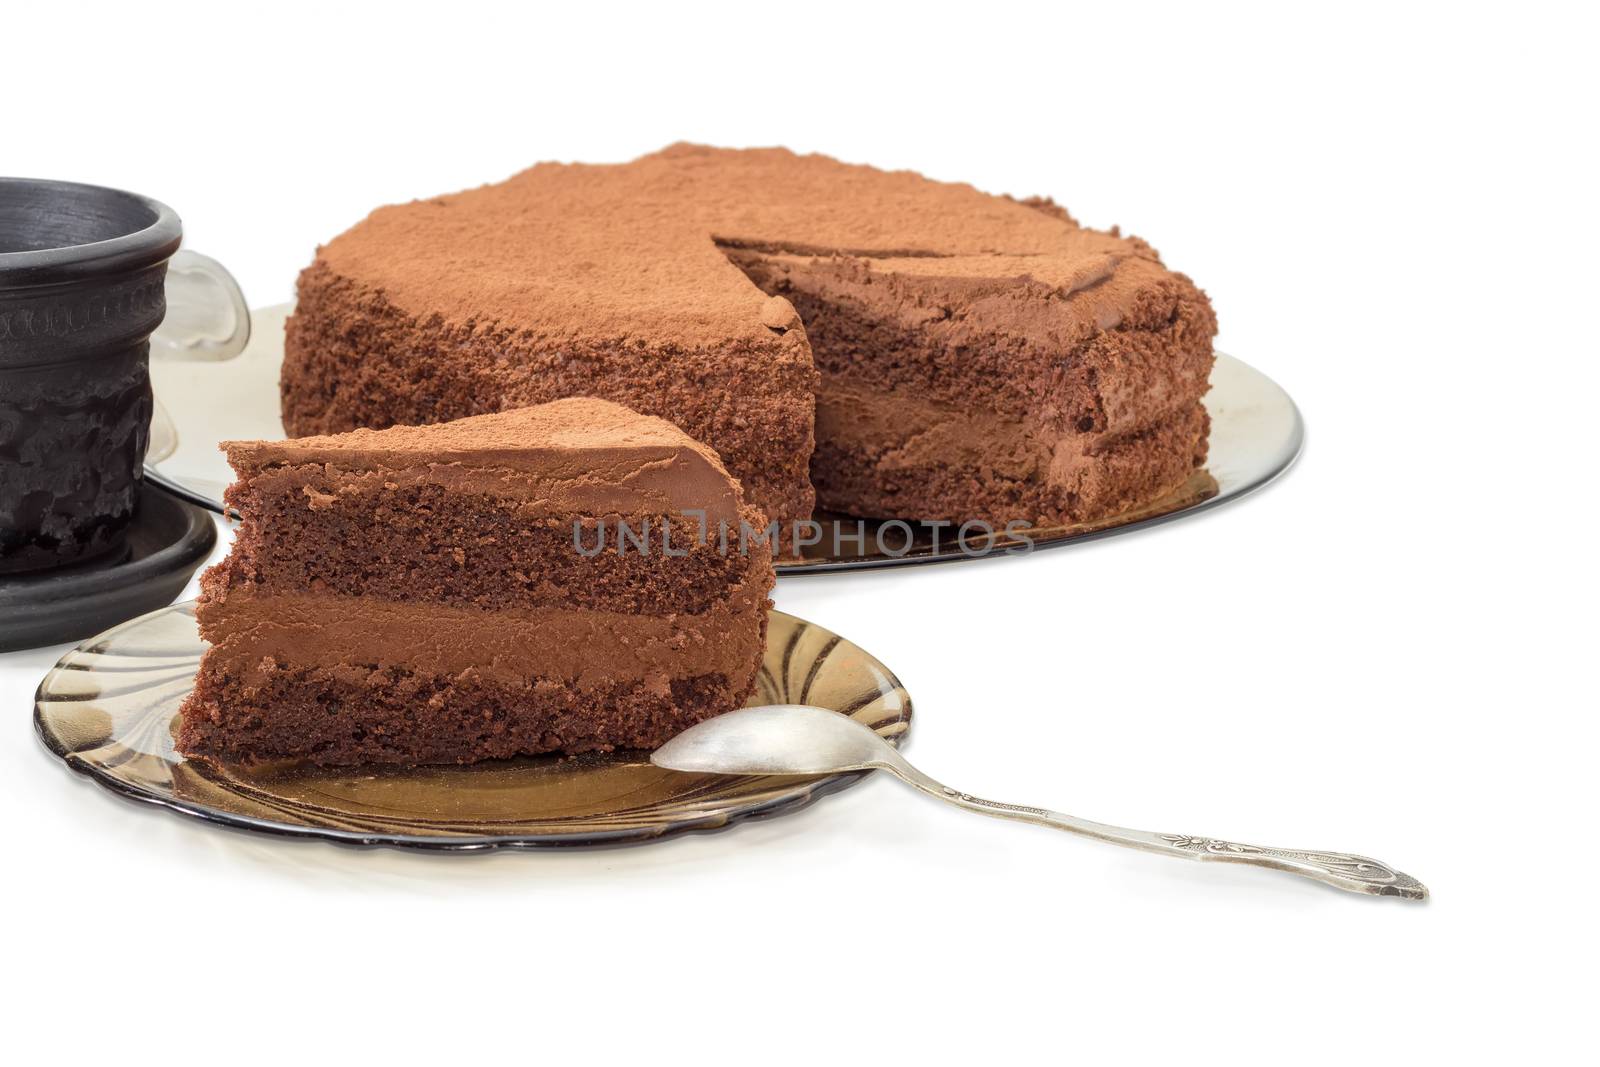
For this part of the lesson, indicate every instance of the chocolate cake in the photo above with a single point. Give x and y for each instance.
(548, 579)
(878, 343)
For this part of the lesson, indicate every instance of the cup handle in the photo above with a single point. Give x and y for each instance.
(207, 318)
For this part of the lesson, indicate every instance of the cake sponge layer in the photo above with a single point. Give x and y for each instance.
(394, 716)
(420, 542)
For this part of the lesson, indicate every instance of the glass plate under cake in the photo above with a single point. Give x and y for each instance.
(110, 707)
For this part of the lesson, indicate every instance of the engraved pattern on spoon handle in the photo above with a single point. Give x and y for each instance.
(1343, 870)
(1359, 874)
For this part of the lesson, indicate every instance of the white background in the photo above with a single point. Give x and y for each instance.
(1391, 651)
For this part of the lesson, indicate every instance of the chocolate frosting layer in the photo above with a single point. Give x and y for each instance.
(579, 251)
(579, 456)
(513, 647)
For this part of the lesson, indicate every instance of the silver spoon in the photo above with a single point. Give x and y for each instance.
(797, 739)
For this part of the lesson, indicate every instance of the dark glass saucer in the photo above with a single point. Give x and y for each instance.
(166, 542)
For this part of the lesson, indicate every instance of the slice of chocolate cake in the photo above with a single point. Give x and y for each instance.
(945, 353)
(547, 579)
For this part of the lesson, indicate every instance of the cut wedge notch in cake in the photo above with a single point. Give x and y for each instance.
(466, 590)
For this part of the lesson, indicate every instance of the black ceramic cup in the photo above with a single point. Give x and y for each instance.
(82, 273)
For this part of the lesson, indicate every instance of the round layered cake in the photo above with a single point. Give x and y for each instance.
(870, 342)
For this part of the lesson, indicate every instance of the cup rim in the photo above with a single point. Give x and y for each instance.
(127, 252)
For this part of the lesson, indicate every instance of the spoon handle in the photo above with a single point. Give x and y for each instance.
(1357, 874)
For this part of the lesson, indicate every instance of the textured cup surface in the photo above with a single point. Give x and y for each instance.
(82, 270)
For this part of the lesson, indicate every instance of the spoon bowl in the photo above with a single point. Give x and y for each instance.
(775, 739)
